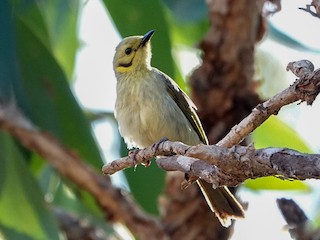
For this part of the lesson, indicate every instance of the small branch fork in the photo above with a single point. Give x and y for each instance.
(228, 164)
(314, 4)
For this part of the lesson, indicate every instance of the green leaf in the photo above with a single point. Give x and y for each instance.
(316, 216)
(8, 60)
(188, 21)
(43, 93)
(38, 30)
(54, 23)
(11, 233)
(61, 19)
(72, 199)
(22, 207)
(273, 183)
(275, 133)
(188, 34)
(29, 13)
(67, 196)
(288, 41)
(146, 184)
(188, 11)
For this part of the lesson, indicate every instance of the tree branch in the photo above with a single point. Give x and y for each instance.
(221, 165)
(226, 166)
(218, 164)
(306, 88)
(316, 5)
(300, 227)
(117, 206)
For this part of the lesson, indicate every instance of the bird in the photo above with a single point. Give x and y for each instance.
(150, 106)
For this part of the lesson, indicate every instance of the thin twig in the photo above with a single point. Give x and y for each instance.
(316, 5)
(305, 89)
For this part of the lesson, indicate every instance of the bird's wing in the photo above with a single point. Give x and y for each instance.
(185, 104)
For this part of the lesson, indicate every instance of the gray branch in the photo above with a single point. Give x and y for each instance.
(299, 226)
(226, 166)
(229, 164)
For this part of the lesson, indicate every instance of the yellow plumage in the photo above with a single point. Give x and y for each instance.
(150, 106)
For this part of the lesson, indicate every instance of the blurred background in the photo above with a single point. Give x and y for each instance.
(56, 62)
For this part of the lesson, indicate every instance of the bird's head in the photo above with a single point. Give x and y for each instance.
(133, 53)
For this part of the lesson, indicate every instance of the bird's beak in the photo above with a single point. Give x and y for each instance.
(146, 38)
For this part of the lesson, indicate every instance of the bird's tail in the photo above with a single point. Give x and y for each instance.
(222, 202)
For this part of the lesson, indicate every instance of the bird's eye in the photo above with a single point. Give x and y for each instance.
(128, 51)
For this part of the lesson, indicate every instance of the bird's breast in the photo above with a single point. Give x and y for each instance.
(146, 113)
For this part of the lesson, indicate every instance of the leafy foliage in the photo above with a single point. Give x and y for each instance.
(34, 48)
(22, 207)
(38, 48)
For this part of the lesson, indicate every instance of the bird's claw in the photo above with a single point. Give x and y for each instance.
(156, 145)
(133, 154)
(188, 180)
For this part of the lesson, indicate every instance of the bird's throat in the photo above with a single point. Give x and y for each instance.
(124, 67)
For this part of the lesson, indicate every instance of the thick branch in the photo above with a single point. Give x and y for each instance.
(118, 207)
(231, 166)
(227, 166)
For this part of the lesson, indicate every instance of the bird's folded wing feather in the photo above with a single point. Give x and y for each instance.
(186, 105)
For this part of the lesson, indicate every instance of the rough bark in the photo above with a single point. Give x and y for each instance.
(223, 166)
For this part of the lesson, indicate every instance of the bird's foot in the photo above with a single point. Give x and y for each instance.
(188, 180)
(133, 154)
(156, 145)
